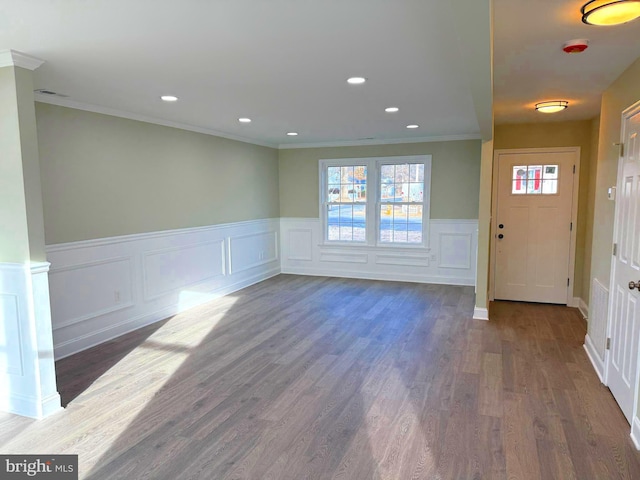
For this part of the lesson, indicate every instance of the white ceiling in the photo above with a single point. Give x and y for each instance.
(530, 66)
(284, 63)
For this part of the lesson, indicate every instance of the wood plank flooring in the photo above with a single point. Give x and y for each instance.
(324, 378)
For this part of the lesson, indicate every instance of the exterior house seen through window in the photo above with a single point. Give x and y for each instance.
(376, 201)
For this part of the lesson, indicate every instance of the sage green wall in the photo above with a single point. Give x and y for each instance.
(622, 93)
(14, 240)
(559, 134)
(21, 224)
(31, 165)
(591, 200)
(455, 175)
(105, 176)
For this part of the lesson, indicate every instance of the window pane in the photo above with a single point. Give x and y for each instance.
(333, 175)
(534, 179)
(333, 194)
(402, 183)
(386, 222)
(417, 172)
(359, 216)
(400, 223)
(549, 187)
(416, 192)
(346, 188)
(414, 224)
(550, 172)
(519, 179)
(346, 222)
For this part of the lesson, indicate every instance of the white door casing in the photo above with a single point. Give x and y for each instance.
(624, 303)
(534, 259)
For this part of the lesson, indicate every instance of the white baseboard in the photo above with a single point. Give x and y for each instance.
(583, 307)
(635, 432)
(596, 361)
(480, 313)
(104, 288)
(449, 259)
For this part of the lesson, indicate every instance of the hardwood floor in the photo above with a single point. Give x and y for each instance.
(324, 378)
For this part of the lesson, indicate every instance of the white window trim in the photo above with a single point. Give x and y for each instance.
(372, 217)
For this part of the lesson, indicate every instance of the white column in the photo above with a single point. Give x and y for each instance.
(27, 369)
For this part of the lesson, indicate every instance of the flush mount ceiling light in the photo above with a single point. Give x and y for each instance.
(391, 109)
(292, 134)
(169, 98)
(552, 106)
(413, 126)
(610, 12)
(244, 120)
(356, 80)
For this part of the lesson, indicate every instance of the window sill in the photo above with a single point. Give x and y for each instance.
(379, 247)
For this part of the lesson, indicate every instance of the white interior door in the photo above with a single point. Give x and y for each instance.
(624, 328)
(533, 224)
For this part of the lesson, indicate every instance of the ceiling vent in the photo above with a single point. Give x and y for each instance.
(44, 91)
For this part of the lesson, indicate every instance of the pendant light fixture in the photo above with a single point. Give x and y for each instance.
(552, 106)
(610, 12)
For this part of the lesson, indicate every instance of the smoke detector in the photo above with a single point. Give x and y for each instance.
(576, 46)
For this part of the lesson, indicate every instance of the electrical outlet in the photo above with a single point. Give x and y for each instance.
(434, 258)
(116, 296)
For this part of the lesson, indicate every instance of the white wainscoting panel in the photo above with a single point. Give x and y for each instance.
(596, 339)
(178, 267)
(300, 244)
(10, 336)
(455, 250)
(103, 288)
(252, 250)
(27, 370)
(450, 259)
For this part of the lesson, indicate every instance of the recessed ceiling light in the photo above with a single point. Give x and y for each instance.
(169, 98)
(356, 80)
(413, 126)
(244, 120)
(292, 134)
(553, 106)
(391, 109)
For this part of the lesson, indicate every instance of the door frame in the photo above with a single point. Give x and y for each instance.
(627, 113)
(571, 300)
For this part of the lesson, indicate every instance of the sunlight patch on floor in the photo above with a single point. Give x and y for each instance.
(148, 368)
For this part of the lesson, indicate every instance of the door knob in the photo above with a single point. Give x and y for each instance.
(501, 236)
(633, 285)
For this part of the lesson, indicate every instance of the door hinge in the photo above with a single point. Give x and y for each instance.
(608, 343)
(567, 282)
(574, 169)
(615, 249)
(571, 227)
(622, 149)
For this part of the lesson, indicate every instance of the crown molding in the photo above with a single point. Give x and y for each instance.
(88, 107)
(13, 58)
(388, 141)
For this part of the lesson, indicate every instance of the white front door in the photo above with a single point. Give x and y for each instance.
(533, 224)
(624, 328)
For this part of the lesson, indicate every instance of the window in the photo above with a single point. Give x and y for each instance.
(376, 201)
(535, 180)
